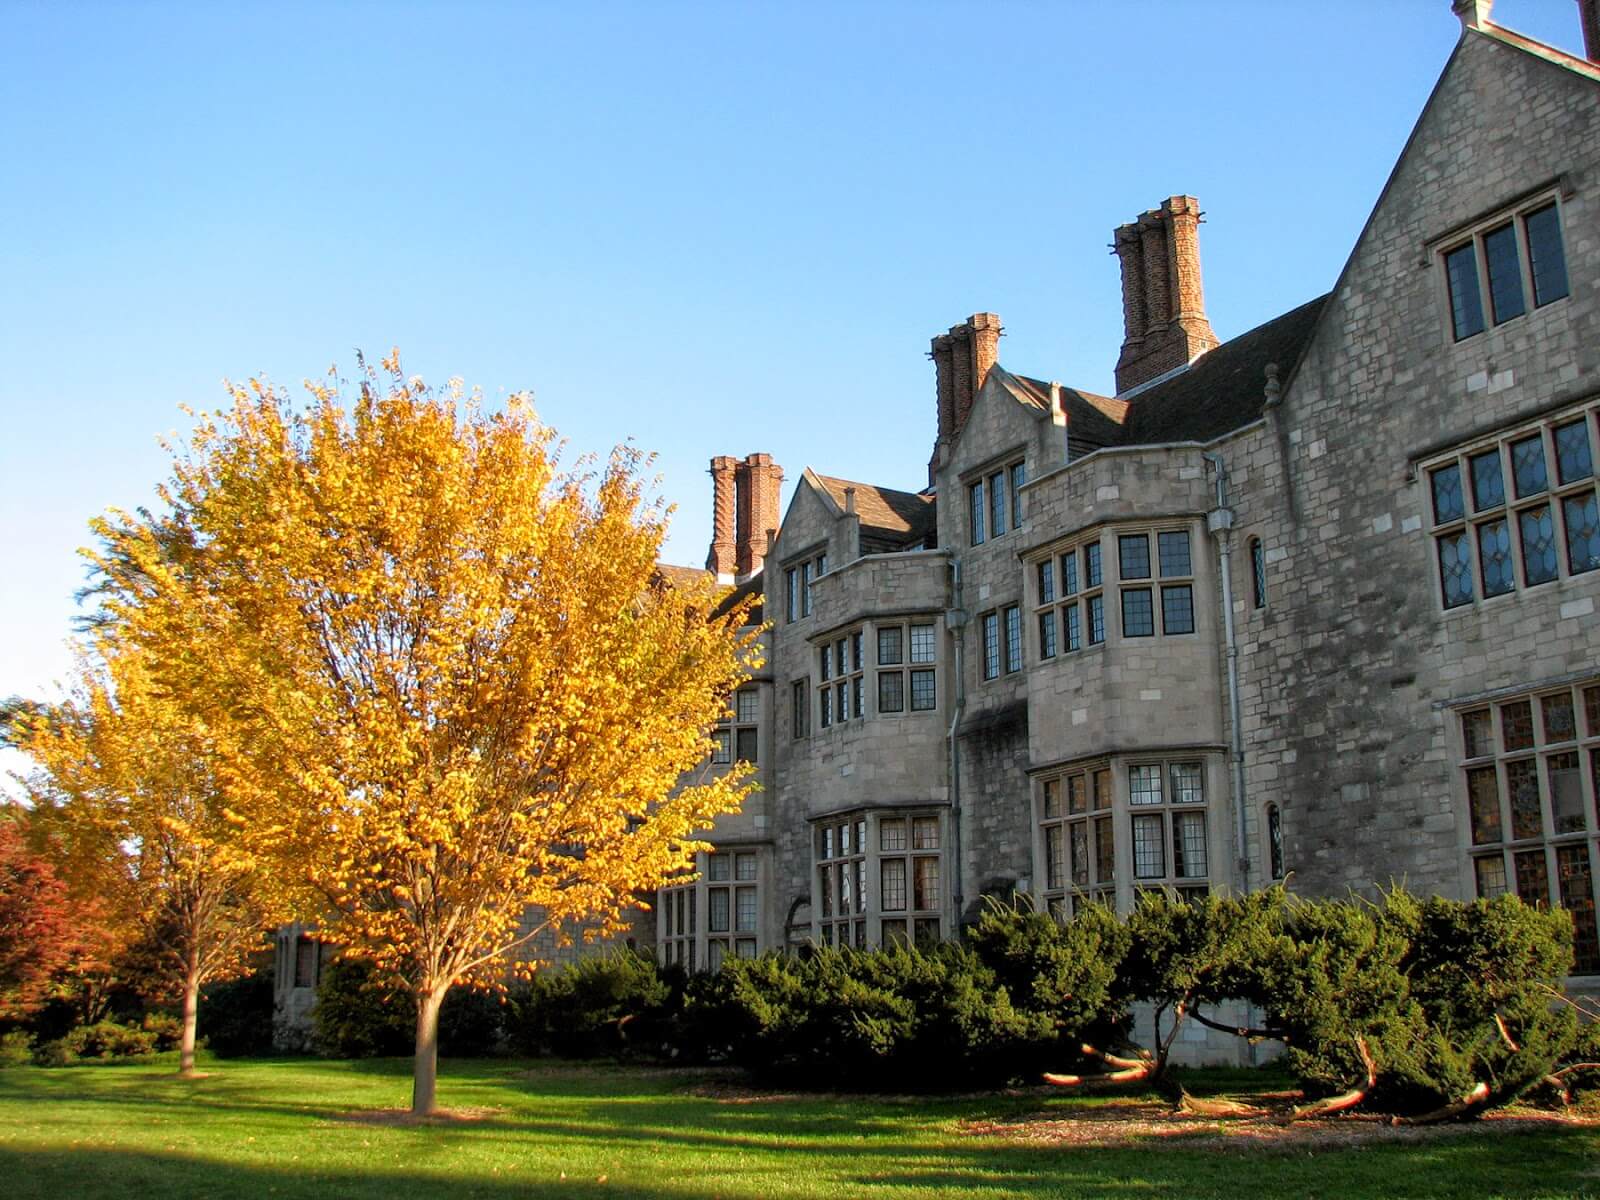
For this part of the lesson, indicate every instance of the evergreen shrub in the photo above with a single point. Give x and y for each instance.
(925, 1019)
(616, 1004)
(236, 1015)
(102, 1041)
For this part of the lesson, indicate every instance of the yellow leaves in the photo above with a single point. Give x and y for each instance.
(429, 661)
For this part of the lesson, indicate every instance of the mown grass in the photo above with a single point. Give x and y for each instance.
(285, 1128)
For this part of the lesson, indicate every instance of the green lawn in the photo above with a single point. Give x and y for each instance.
(285, 1128)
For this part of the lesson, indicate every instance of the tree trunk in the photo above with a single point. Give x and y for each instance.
(191, 1010)
(425, 1073)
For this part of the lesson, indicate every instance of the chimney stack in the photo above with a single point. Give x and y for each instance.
(758, 482)
(744, 515)
(720, 561)
(1589, 14)
(961, 361)
(1163, 304)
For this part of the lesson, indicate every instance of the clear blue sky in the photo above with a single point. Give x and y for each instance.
(711, 228)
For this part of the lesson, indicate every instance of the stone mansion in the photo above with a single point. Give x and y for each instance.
(1317, 603)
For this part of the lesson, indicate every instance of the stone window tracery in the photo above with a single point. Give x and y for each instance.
(1517, 513)
(1530, 773)
(1507, 260)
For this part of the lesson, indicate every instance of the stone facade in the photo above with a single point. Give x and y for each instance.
(1230, 625)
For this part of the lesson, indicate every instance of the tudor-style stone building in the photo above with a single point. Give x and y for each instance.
(1317, 602)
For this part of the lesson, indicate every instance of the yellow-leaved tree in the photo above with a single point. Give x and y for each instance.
(129, 801)
(444, 683)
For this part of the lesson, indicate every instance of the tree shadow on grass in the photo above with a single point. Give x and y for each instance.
(1477, 1166)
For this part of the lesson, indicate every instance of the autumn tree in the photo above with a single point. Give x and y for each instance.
(445, 688)
(43, 930)
(130, 797)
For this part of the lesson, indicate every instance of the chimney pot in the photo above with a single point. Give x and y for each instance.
(849, 500)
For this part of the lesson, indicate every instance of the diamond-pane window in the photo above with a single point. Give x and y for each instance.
(1573, 458)
(1455, 569)
(1494, 554)
(1539, 554)
(1488, 484)
(1583, 532)
(1447, 501)
(1528, 466)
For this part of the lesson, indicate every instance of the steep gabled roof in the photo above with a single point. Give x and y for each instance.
(1093, 421)
(890, 519)
(1222, 390)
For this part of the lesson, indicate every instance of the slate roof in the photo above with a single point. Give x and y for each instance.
(1222, 390)
(890, 519)
(1093, 421)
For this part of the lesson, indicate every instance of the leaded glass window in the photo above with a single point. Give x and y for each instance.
(1529, 778)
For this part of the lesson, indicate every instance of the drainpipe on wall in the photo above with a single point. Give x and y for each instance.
(955, 619)
(1220, 522)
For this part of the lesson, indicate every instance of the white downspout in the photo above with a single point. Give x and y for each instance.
(955, 620)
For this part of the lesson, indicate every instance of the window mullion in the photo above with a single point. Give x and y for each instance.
(1519, 225)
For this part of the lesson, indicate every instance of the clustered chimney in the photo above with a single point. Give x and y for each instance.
(744, 514)
(961, 362)
(1589, 14)
(1163, 306)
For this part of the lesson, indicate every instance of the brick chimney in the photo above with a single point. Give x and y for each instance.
(720, 561)
(758, 481)
(1589, 14)
(961, 361)
(1163, 305)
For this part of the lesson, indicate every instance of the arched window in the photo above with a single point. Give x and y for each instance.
(1258, 572)
(1275, 841)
